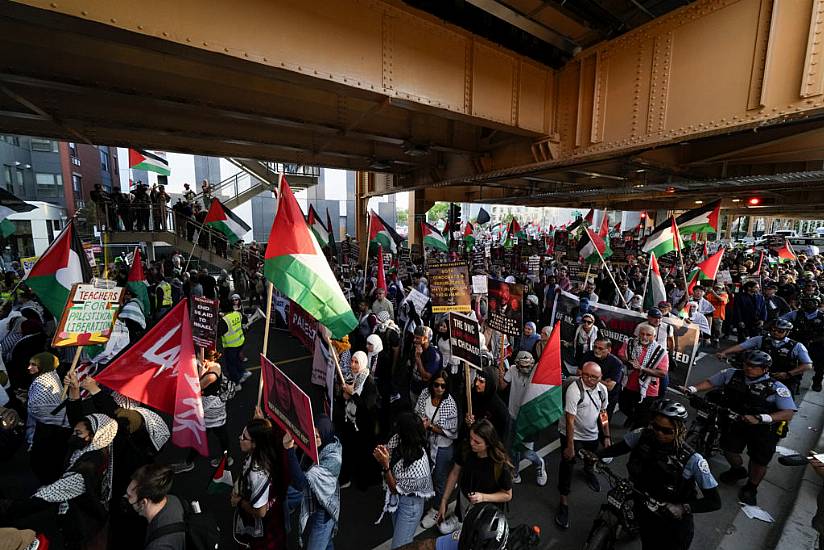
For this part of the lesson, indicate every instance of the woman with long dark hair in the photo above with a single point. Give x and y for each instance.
(259, 517)
(482, 471)
(407, 476)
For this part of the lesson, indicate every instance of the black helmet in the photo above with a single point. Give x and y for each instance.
(758, 358)
(783, 324)
(670, 409)
(484, 528)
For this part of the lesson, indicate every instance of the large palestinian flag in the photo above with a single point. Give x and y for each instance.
(542, 405)
(316, 225)
(700, 220)
(296, 265)
(381, 233)
(654, 292)
(663, 239)
(706, 270)
(222, 219)
(433, 238)
(9, 204)
(62, 265)
(144, 160)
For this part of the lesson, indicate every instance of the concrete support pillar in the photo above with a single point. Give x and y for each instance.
(730, 220)
(361, 212)
(418, 207)
(768, 224)
(750, 220)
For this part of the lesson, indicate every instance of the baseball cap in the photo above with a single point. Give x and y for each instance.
(655, 312)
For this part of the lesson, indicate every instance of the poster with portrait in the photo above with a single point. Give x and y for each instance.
(506, 312)
(289, 407)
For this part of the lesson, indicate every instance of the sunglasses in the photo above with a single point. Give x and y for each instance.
(662, 429)
(587, 322)
(438, 385)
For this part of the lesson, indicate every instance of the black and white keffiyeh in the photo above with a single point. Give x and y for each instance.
(653, 355)
(155, 426)
(411, 480)
(351, 407)
(446, 416)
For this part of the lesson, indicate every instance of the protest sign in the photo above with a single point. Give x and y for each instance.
(88, 316)
(289, 407)
(302, 326)
(479, 285)
(464, 337)
(204, 316)
(28, 263)
(449, 287)
(323, 368)
(535, 266)
(280, 311)
(506, 312)
(417, 299)
(618, 325)
(724, 276)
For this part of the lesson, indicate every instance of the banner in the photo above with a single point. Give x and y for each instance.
(88, 316)
(618, 325)
(289, 407)
(449, 287)
(464, 337)
(506, 312)
(302, 326)
(204, 316)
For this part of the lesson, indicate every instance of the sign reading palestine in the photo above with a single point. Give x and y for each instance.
(506, 313)
(204, 316)
(464, 338)
(289, 407)
(449, 287)
(302, 326)
(88, 316)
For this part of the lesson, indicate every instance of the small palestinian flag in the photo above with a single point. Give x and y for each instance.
(222, 479)
(655, 292)
(144, 160)
(222, 219)
(706, 270)
(469, 237)
(591, 245)
(663, 239)
(333, 245)
(433, 238)
(137, 282)
(381, 233)
(786, 254)
(316, 225)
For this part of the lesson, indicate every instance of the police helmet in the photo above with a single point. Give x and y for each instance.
(524, 359)
(484, 528)
(783, 324)
(758, 358)
(670, 409)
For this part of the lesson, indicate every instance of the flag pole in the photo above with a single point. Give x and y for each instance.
(468, 387)
(194, 244)
(609, 272)
(366, 256)
(337, 361)
(646, 281)
(72, 369)
(679, 248)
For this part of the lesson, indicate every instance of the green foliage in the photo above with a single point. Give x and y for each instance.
(438, 212)
(402, 217)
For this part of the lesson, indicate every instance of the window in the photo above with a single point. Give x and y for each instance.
(104, 161)
(49, 186)
(48, 179)
(77, 183)
(11, 140)
(45, 145)
(8, 181)
(72, 149)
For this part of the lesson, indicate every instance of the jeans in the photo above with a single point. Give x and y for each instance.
(319, 529)
(443, 463)
(406, 519)
(528, 454)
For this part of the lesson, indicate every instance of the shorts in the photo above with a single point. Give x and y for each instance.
(760, 442)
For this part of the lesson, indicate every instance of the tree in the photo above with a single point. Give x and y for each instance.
(438, 212)
(402, 217)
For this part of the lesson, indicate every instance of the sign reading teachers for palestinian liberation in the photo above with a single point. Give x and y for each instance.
(204, 317)
(449, 287)
(88, 316)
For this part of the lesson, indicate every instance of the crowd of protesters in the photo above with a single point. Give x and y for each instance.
(401, 419)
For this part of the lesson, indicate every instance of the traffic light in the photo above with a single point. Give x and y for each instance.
(454, 217)
(754, 201)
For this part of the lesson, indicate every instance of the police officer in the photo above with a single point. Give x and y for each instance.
(808, 323)
(230, 330)
(790, 358)
(765, 407)
(668, 470)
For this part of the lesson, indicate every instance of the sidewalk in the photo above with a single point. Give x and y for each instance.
(787, 493)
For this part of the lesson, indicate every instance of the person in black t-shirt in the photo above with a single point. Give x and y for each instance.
(612, 369)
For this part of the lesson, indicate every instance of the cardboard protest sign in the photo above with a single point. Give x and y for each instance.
(302, 326)
(204, 316)
(449, 287)
(464, 338)
(289, 407)
(28, 263)
(479, 285)
(417, 299)
(88, 316)
(618, 325)
(280, 311)
(506, 312)
(323, 368)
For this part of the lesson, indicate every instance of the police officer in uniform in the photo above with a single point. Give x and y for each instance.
(765, 407)
(230, 330)
(790, 358)
(668, 470)
(809, 329)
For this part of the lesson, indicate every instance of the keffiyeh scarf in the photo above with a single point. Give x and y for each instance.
(413, 480)
(351, 407)
(650, 360)
(446, 416)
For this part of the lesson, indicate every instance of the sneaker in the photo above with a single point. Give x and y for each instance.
(346, 485)
(562, 517)
(181, 467)
(734, 474)
(816, 386)
(748, 495)
(517, 477)
(245, 376)
(593, 483)
(394, 397)
(430, 520)
(449, 525)
(540, 476)
(216, 461)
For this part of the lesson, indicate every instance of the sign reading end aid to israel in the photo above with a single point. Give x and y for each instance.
(89, 316)
(464, 337)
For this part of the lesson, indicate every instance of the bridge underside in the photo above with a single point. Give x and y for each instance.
(721, 98)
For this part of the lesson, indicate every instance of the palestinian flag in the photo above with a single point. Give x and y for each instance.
(785, 253)
(617, 227)
(381, 278)
(383, 234)
(589, 216)
(9, 204)
(700, 220)
(573, 226)
(295, 264)
(222, 479)
(63, 264)
(663, 239)
(432, 237)
(222, 220)
(705, 270)
(137, 282)
(542, 405)
(513, 229)
(654, 292)
(144, 160)
(333, 245)
(316, 225)
(590, 245)
(603, 232)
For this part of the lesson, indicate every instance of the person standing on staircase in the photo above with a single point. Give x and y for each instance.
(232, 338)
(141, 204)
(159, 199)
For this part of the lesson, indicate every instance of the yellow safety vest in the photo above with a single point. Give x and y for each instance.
(234, 336)
(167, 293)
(6, 295)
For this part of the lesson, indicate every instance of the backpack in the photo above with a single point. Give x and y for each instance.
(577, 380)
(202, 531)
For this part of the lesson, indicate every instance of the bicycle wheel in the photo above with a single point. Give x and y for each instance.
(600, 538)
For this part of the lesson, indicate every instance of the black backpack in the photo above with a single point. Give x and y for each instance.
(202, 531)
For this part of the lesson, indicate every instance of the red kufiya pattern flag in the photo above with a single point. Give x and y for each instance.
(160, 371)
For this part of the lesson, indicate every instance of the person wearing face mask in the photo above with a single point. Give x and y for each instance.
(765, 407)
(46, 430)
(148, 495)
(808, 328)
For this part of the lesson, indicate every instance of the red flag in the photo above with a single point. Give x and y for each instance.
(617, 227)
(160, 371)
(706, 252)
(468, 229)
(381, 275)
(786, 253)
(604, 231)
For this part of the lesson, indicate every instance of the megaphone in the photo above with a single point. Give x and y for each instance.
(256, 316)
